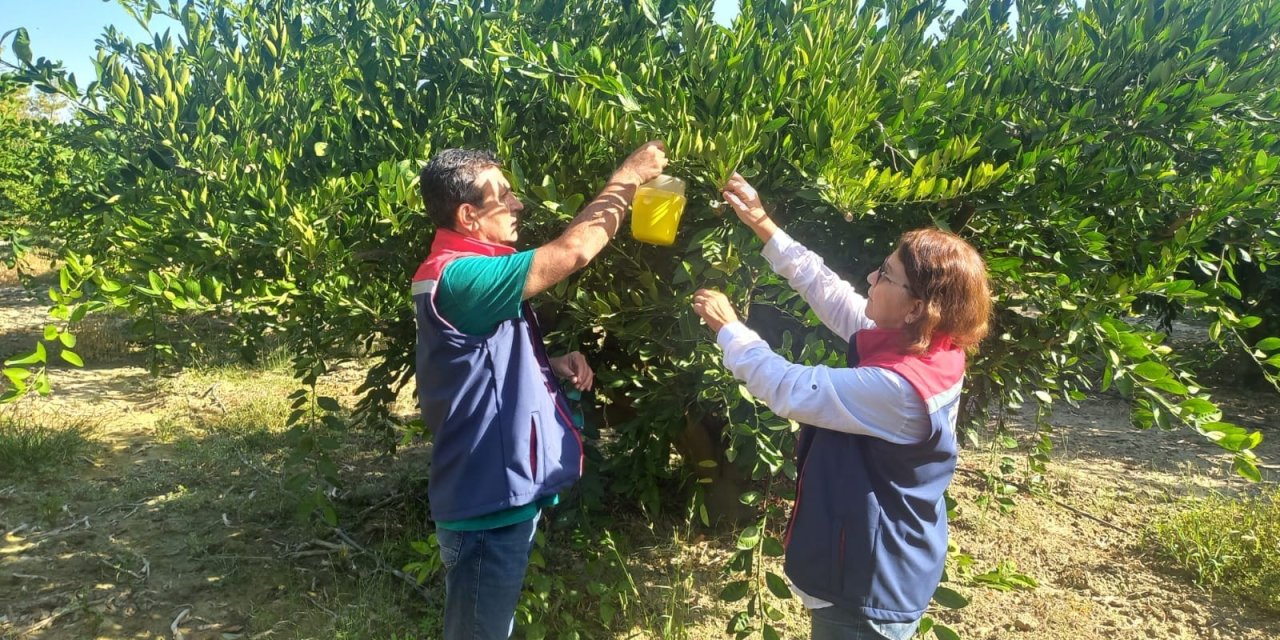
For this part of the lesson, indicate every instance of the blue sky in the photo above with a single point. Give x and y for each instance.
(66, 29)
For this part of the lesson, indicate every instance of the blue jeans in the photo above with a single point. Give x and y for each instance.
(484, 574)
(837, 623)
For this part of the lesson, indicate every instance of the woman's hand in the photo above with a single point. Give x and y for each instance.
(746, 203)
(574, 368)
(714, 309)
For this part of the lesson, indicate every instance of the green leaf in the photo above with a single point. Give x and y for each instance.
(949, 598)
(50, 332)
(1199, 407)
(650, 13)
(749, 537)
(329, 404)
(773, 548)
(321, 149)
(734, 591)
(22, 46)
(749, 498)
(926, 623)
(1151, 370)
(322, 40)
(72, 357)
(1246, 468)
(162, 157)
(775, 124)
(1005, 264)
(777, 585)
(1170, 385)
(1269, 344)
(1217, 100)
(943, 632)
(329, 514)
(35, 357)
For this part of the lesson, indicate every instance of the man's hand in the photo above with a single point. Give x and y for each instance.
(714, 309)
(597, 223)
(746, 203)
(645, 163)
(574, 368)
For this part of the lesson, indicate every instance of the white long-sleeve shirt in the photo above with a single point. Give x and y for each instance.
(863, 400)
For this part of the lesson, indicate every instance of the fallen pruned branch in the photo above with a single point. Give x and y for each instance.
(408, 579)
(71, 608)
(1079, 512)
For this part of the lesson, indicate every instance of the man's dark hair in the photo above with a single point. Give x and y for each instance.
(449, 180)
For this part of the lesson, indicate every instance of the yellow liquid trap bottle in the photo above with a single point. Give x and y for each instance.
(656, 211)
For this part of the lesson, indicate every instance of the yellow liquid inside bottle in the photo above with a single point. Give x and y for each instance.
(655, 215)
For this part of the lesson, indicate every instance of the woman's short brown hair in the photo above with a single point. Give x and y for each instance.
(950, 278)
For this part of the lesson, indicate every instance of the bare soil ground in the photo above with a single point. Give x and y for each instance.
(175, 525)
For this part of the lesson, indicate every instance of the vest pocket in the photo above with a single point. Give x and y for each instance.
(536, 470)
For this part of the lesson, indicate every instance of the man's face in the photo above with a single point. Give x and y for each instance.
(495, 219)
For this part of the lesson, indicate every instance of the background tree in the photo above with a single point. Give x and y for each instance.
(33, 161)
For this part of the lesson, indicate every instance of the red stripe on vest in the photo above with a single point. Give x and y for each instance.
(449, 245)
(930, 374)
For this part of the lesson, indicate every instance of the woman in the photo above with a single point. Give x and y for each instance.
(868, 532)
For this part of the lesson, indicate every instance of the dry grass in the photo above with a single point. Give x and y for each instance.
(190, 484)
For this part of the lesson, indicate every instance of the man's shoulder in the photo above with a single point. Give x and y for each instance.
(480, 270)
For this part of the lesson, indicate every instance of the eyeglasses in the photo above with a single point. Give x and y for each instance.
(881, 275)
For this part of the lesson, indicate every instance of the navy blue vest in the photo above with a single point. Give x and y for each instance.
(502, 432)
(868, 530)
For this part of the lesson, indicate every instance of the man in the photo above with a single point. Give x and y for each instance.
(504, 442)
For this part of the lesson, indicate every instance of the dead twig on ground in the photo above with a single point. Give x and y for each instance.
(254, 468)
(135, 505)
(216, 400)
(141, 575)
(45, 534)
(320, 606)
(326, 548)
(408, 579)
(1060, 503)
(379, 505)
(71, 608)
(178, 635)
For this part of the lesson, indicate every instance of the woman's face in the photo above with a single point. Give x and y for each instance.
(891, 303)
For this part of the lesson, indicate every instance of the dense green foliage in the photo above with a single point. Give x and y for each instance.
(35, 164)
(1114, 162)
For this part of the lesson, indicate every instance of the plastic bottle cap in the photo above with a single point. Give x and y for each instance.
(666, 183)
